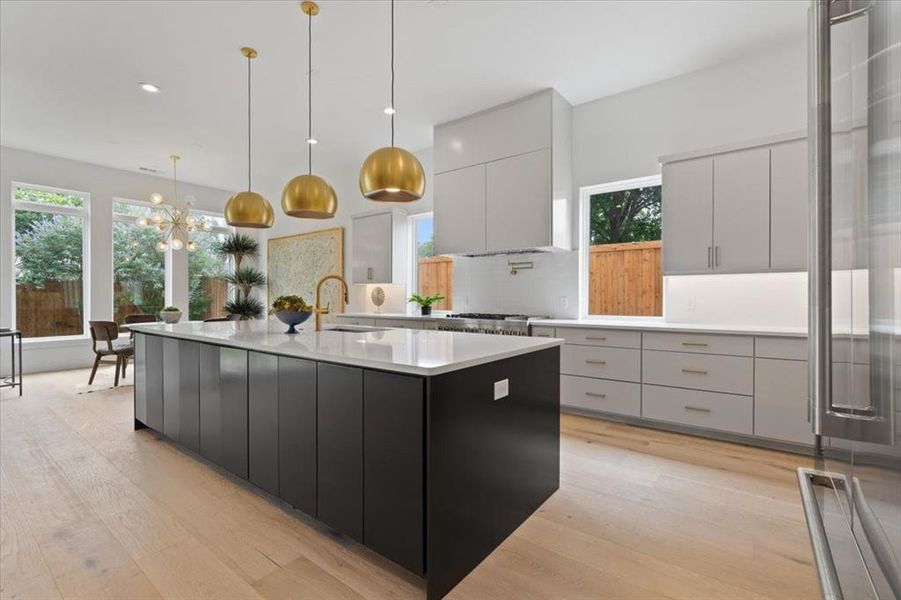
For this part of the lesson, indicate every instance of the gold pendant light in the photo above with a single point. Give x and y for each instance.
(392, 174)
(249, 209)
(309, 196)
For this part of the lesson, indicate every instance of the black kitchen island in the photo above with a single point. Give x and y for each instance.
(428, 447)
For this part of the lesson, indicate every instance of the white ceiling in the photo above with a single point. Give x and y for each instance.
(69, 72)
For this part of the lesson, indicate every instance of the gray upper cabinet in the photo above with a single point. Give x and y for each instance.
(788, 218)
(736, 209)
(741, 211)
(519, 188)
(506, 171)
(379, 247)
(459, 213)
(687, 205)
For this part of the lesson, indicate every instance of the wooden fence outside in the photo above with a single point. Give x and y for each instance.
(625, 279)
(436, 276)
(55, 309)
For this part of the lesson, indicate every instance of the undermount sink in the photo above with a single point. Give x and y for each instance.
(356, 328)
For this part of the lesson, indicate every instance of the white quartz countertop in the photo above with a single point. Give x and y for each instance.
(413, 351)
(661, 325)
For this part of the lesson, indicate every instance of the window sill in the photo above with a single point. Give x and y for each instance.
(55, 342)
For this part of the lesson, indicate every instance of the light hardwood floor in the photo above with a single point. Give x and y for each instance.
(91, 509)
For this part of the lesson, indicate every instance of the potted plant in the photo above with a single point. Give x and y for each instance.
(291, 310)
(170, 314)
(425, 302)
(244, 278)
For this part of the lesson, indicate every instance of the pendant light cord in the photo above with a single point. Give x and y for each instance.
(174, 181)
(248, 124)
(309, 92)
(393, 108)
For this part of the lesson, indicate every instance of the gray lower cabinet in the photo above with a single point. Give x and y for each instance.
(297, 433)
(233, 410)
(140, 374)
(262, 421)
(339, 444)
(153, 381)
(210, 404)
(181, 392)
(602, 395)
(780, 400)
(394, 467)
(710, 410)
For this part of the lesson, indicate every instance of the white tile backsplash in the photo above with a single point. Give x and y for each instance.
(550, 288)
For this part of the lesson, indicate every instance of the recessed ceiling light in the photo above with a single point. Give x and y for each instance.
(389, 110)
(149, 87)
(312, 141)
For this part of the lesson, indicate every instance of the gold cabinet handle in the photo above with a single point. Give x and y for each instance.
(698, 344)
(595, 338)
(695, 371)
(595, 395)
(596, 362)
(697, 408)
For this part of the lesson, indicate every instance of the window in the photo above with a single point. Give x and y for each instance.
(621, 271)
(50, 261)
(430, 274)
(208, 291)
(139, 269)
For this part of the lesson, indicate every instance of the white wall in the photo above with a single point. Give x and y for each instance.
(103, 184)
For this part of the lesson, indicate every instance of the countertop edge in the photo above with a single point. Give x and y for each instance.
(674, 327)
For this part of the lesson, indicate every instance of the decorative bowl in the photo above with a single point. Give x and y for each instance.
(292, 318)
(170, 316)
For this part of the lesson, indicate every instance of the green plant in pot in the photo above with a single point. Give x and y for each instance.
(425, 302)
(291, 310)
(170, 314)
(245, 278)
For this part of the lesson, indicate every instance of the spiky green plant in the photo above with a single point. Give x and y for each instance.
(245, 308)
(246, 278)
(239, 246)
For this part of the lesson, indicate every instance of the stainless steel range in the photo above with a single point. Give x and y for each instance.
(494, 323)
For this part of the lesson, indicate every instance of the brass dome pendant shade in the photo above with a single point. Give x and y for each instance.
(309, 196)
(392, 174)
(249, 209)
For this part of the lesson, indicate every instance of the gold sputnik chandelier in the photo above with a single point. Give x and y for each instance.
(175, 221)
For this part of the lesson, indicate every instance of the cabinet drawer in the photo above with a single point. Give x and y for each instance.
(733, 374)
(540, 331)
(779, 347)
(589, 336)
(608, 363)
(735, 345)
(601, 394)
(726, 412)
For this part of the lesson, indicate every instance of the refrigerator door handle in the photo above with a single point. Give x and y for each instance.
(819, 542)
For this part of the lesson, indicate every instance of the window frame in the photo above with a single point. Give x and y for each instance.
(585, 194)
(83, 212)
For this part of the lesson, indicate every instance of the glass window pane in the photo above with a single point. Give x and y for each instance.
(433, 275)
(48, 268)
(139, 271)
(208, 291)
(24, 194)
(135, 210)
(625, 275)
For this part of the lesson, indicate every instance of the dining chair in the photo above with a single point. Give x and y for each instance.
(106, 333)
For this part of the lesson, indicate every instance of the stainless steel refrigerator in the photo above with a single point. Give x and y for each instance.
(852, 498)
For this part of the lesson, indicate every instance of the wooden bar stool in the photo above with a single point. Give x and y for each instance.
(108, 332)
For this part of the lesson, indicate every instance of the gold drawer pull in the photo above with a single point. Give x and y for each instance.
(695, 371)
(595, 338)
(595, 395)
(698, 344)
(697, 408)
(596, 362)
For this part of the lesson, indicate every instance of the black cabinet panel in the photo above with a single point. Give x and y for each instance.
(153, 346)
(263, 420)
(171, 378)
(210, 404)
(181, 393)
(340, 448)
(393, 469)
(297, 433)
(140, 391)
(233, 407)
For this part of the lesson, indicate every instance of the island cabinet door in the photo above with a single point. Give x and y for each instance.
(262, 421)
(393, 467)
(210, 404)
(153, 382)
(233, 410)
(140, 371)
(339, 427)
(181, 392)
(297, 433)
